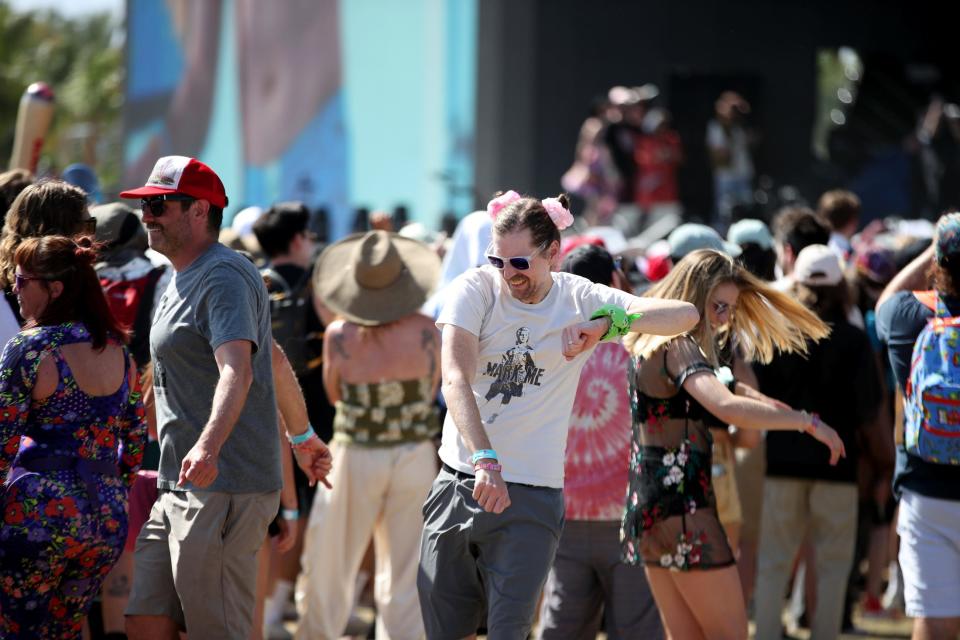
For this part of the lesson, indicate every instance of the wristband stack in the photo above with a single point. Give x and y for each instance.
(620, 320)
(486, 454)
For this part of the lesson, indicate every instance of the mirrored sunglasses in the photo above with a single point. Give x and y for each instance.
(520, 263)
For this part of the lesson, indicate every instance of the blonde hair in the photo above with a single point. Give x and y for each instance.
(765, 320)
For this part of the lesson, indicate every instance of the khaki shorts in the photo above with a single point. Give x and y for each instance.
(196, 560)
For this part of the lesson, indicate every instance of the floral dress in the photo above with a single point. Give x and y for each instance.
(671, 519)
(68, 460)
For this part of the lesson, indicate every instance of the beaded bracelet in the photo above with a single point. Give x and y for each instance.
(813, 420)
(620, 320)
(488, 466)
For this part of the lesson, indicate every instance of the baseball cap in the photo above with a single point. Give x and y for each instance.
(244, 220)
(180, 174)
(818, 265)
(877, 264)
(571, 243)
(80, 175)
(948, 236)
(750, 231)
(655, 263)
(691, 236)
(118, 226)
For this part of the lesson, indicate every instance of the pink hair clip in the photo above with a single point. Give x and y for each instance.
(560, 215)
(498, 203)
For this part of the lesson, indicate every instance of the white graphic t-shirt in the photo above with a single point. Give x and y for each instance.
(523, 386)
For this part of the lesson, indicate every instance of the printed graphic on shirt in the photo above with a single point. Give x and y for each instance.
(159, 376)
(515, 369)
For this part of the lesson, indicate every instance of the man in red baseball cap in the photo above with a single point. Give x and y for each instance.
(219, 477)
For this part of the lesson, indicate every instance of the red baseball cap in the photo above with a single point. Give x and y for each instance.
(180, 174)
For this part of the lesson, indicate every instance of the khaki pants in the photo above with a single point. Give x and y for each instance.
(378, 491)
(196, 560)
(751, 468)
(792, 507)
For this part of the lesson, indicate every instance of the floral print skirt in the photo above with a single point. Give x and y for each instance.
(670, 519)
(55, 551)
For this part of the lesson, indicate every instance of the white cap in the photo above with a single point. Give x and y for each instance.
(818, 265)
(243, 221)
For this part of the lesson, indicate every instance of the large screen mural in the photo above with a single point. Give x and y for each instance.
(338, 104)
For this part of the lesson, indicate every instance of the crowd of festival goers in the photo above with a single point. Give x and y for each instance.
(622, 421)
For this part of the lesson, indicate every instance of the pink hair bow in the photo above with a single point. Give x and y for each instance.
(560, 215)
(498, 203)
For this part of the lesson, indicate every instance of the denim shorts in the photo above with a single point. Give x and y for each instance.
(929, 531)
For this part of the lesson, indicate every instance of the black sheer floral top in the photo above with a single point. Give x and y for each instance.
(670, 519)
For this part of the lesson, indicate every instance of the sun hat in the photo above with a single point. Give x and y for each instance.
(750, 231)
(180, 174)
(690, 237)
(376, 277)
(818, 265)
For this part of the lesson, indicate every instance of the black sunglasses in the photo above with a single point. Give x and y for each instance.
(20, 281)
(87, 227)
(154, 205)
(720, 307)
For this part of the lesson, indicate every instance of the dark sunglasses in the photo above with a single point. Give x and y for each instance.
(87, 227)
(154, 205)
(721, 307)
(520, 263)
(20, 280)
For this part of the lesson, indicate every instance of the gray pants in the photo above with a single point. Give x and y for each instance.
(472, 560)
(791, 507)
(588, 582)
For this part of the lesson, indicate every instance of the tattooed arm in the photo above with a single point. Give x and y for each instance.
(430, 341)
(334, 354)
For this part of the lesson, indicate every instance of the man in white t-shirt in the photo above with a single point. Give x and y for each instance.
(515, 338)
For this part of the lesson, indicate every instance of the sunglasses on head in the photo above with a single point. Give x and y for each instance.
(520, 263)
(154, 204)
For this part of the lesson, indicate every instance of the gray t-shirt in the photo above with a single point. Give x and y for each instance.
(218, 298)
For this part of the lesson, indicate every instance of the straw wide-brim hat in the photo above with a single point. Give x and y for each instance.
(375, 277)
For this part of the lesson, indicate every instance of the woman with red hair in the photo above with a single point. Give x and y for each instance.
(71, 440)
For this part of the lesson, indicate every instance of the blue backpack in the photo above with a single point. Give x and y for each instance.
(932, 407)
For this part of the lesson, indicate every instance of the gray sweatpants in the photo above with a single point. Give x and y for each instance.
(473, 561)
